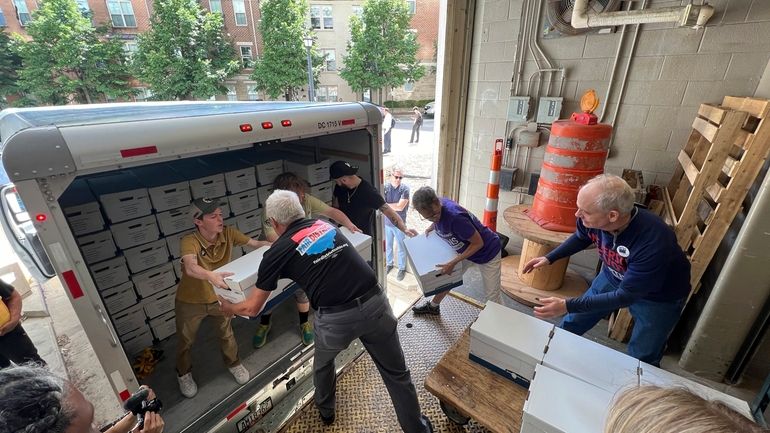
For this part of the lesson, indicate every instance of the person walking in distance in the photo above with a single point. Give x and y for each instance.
(397, 197)
(388, 122)
(416, 124)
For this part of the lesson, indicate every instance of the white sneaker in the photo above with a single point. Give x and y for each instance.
(240, 374)
(187, 385)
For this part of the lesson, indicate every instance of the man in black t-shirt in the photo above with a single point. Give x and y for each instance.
(347, 300)
(15, 344)
(358, 199)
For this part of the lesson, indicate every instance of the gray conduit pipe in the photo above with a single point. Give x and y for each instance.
(611, 84)
(735, 302)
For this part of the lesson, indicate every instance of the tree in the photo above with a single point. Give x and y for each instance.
(185, 54)
(282, 68)
(69, 60)
(381, 52)
(10, 62)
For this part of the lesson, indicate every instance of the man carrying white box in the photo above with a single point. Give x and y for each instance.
(475, 244)
(348, 301)
(313, 207)
(207, 248)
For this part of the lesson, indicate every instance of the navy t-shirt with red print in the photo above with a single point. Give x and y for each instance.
(315, 255)
(643, 261)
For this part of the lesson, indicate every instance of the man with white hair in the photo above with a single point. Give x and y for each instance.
(643, 268)
(347, 300)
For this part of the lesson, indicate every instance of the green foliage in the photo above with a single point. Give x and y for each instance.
(407, 103)
(69, 60)
(282, 68)
(382, 52)
(185, 54)
(10, 62)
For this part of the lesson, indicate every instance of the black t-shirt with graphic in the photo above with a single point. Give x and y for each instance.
(359, 204)
(315, 255)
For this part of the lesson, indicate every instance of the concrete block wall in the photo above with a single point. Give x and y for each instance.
(672, 71)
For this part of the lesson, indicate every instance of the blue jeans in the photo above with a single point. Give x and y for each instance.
(653, 322)
(392, 232)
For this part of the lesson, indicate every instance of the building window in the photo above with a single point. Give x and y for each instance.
(2, 19)
(330, 59)
(239, 8)
(83, 7)
(326, 94)
(412, 5)
(246, 58)
(231, 95)
(215, 6)
(409, 86)
(122, 13)
(251, 92)
(366, 96)
(22, 12)
(130, 48)
(358, 11)
(142, 94)
(321, 17)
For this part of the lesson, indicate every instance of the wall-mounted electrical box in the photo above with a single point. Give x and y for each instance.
(549, 109)
(518, 108)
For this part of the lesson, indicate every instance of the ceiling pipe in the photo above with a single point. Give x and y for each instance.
(685, 16)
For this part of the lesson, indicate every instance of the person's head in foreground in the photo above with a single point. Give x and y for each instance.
(283, 208)
(427, 204)
(605, 202)
(652, 409)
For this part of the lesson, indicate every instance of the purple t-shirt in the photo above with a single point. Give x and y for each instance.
(457, 226)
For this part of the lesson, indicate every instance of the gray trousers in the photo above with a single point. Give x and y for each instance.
(375, 325)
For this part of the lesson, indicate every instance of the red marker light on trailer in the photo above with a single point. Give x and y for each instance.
(267, 125)
(246, 127)
(41, 217)
(285, 123)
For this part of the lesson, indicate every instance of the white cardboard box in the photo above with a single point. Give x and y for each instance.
(167, 189)
(120, 297)
(579, 357)
(97, 246)
(135, 232)
(147, 256)
(249, 221)
(424, 253)
(264, 192)
(323, 191)
(175, 220)
(559, 403)
(130, 319)
(244, 201)
(244, 270)
(509, 342)
(239, 175)
(135, 341)
(159, 303)
(81, 209)
(173, 243)
(361, 242)
(205, 181)
(122, 196)
(306, 168)
(110, 272)
(177, 264)
(267, 165)
(652, 375)
(154, 280)
(164, 326)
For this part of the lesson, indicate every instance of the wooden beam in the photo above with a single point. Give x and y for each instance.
(756, 107)
(712, 113)
(689, 168)
(705, 128)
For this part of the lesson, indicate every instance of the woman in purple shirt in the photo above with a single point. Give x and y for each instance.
(475, 243)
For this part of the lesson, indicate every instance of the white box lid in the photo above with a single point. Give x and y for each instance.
(358, 240)
(561, 403)
(512, 332)
(591, 362)
(425, 252)
(244, 270)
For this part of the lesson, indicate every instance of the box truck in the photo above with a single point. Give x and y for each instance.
(106, 189)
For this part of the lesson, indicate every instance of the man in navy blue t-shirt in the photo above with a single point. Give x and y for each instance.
(643, 268)
(397, 197)
(473, 242)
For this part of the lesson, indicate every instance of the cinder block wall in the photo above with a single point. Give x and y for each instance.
(672, 71)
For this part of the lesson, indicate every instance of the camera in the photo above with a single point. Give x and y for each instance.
(139, 405)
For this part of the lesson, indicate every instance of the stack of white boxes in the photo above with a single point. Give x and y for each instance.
(244, 275)
(572, 381)
(424, 253)
(315, 173)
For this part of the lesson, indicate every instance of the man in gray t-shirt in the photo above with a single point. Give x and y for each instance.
(397, 197)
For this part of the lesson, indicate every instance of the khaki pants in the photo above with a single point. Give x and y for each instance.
(188, 320)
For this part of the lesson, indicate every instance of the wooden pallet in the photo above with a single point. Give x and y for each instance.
(721, 160)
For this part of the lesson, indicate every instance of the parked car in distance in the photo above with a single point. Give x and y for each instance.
(429, 109)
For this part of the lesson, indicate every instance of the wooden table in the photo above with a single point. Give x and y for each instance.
(476, 392)
(551, 280)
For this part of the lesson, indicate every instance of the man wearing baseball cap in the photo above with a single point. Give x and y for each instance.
(358, 199)
(207, 248)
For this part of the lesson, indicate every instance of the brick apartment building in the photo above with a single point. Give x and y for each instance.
(129, 18)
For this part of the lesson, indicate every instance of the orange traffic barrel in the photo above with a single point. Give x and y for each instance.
(575, 153)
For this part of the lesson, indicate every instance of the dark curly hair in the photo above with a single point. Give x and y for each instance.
(33, 401)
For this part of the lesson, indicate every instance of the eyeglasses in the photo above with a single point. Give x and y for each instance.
(398, 177)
